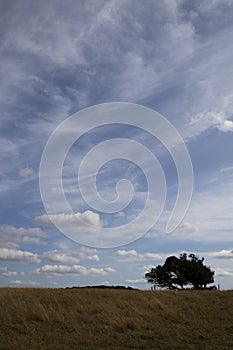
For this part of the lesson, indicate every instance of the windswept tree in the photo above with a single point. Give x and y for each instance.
(178, 273)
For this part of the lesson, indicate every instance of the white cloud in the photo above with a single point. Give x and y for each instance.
(120, 214)
(19, 255)
(71, 256)
(11, 236)
(207, 6)
(24, 283)
(16, 282)
(53, 270)
(222, 254)
(32, 283)
(186, 228)
(226, 125)
(226, 169)
(5, 272)
(133, 254)
(219, 272)
(205, 120)
(25, 172)
(129, 254)
(136, 281)
(209, 217)
(146, 268)
(189, 227)
(62, 256)
(152, 256)
(151, 235)
(71, 220)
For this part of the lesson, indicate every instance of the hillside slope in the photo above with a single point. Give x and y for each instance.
(60, 319)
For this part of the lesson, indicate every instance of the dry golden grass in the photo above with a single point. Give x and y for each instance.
(60, 319)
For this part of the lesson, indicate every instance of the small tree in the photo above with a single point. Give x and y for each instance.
(177, 273)
(199, 275)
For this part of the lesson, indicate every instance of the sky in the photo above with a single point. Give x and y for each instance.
(59, 58)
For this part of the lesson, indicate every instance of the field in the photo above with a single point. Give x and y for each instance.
(60, 319)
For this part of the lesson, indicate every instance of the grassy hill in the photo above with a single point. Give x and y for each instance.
(60, 319)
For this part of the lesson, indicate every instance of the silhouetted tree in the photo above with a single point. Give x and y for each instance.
(177, 273)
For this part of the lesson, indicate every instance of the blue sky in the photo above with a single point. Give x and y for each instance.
(58, 58)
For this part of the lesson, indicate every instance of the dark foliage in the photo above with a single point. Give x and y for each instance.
(178, 273)
(102, 286)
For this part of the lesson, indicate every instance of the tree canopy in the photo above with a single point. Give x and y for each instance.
(177, 273)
